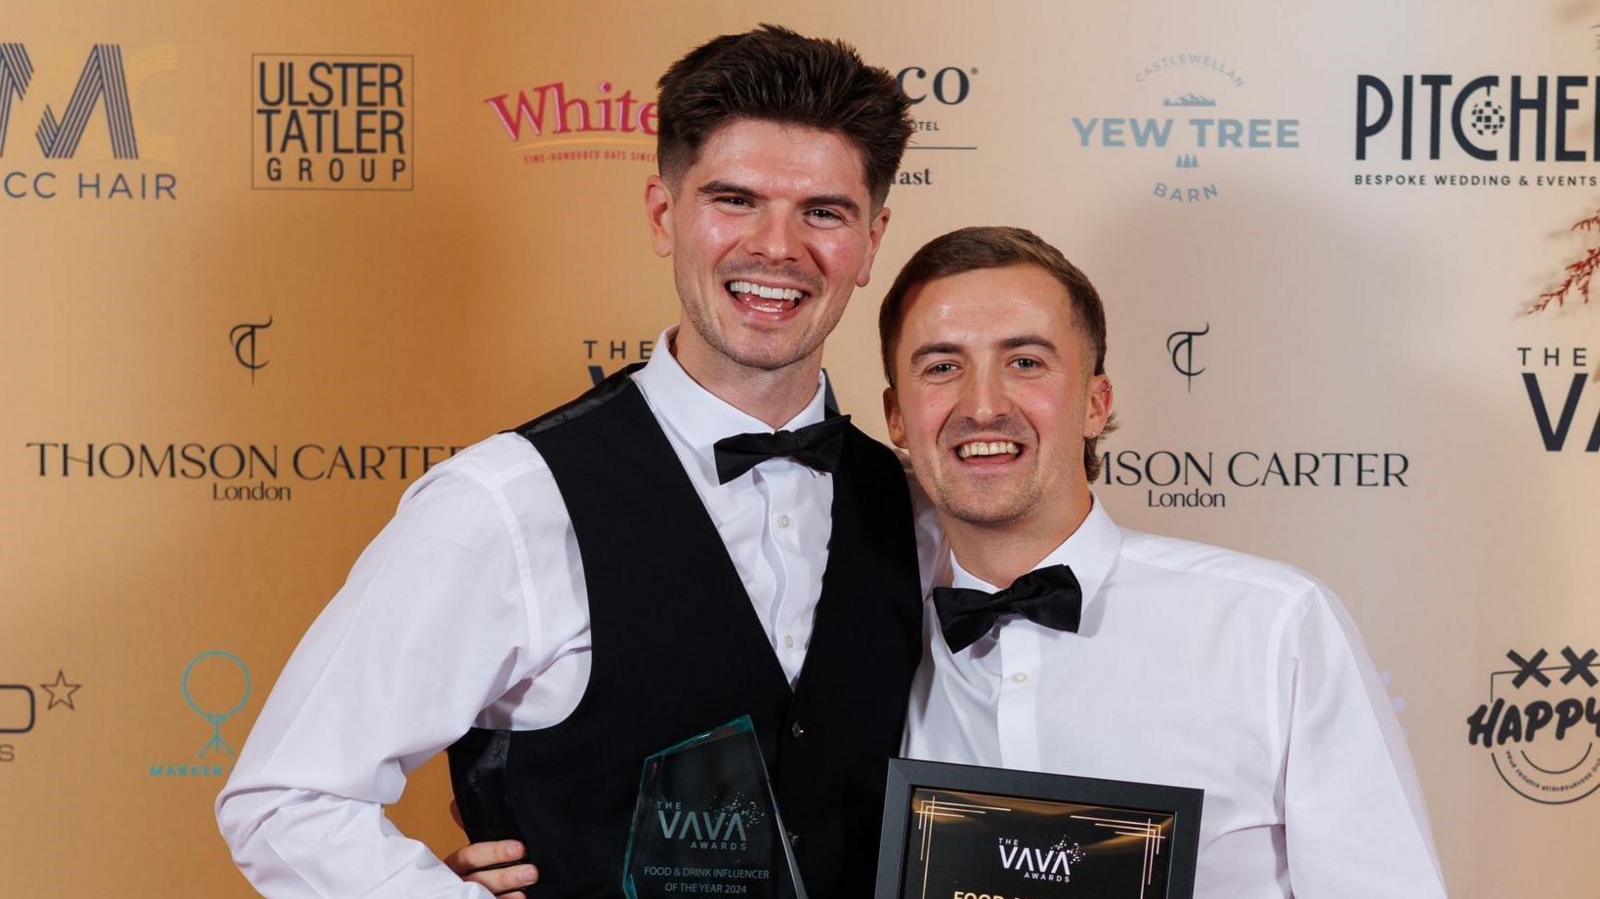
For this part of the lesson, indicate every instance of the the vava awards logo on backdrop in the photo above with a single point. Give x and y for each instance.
(938, 95)
(558, 122)
(1540, 725)
(1558, 382)
(20, 711)
(1199, 112)
(216, 686)
(332, 121)
(1557, 378)
(84, 113)
(603, 356)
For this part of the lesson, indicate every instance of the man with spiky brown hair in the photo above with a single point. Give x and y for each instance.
(659, 556)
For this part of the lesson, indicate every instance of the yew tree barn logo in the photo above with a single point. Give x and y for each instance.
(1193, 128)
(97, 123)
(332, 122)
(1541, 725)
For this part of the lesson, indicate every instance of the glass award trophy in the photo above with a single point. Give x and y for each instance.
(706, 823)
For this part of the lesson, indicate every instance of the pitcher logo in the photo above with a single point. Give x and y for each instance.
(1053, 864)
(1476, 117)
(1541, 725)
(722, 828)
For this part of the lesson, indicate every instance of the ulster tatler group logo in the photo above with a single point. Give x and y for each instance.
(1540, 725)
(332, 122)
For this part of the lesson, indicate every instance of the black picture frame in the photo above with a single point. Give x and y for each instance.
(907, 776)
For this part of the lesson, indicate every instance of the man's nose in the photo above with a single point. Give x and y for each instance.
(985, 398)
(774, 237)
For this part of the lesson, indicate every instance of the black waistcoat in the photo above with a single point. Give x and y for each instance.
(678, 649)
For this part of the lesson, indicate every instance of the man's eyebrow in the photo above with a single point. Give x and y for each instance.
(1022, 340)
(726, 187)
(935, 349)
(838, 201)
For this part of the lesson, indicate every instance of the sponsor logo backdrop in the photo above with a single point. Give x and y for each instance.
(262, 269)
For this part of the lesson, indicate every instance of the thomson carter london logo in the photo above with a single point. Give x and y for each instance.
(1052, 863)
(96, 125)
(1195, 126)
(244, 337)
(1541, 725)
(724, 828)
(557, 122)
(332, 122)
(1180, 346)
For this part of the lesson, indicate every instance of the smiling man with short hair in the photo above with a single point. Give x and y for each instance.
(694, 540)
(1066, 644)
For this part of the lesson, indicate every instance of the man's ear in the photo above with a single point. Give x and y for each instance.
(891, 413)
(1098, 408)
(658, 209)
(880, 223)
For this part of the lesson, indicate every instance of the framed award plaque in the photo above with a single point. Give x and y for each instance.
(962, 832)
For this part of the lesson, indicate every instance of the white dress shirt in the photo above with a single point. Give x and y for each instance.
(1199, 667)
(470, 609)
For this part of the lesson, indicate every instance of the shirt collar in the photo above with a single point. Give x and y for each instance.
(1091, 552)
(697, 417)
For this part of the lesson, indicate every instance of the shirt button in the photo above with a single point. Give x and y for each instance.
(797, 730)
(1019, 677)
(783, 522)
(788, 641)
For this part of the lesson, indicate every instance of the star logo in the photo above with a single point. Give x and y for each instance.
(61, 692)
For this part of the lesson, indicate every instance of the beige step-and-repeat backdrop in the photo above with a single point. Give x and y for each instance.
(1345, 250)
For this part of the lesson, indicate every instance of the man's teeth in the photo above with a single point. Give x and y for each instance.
(766, 293)
(992, 448)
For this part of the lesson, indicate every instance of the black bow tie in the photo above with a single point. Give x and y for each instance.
(1049, 596)
(819, 446)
